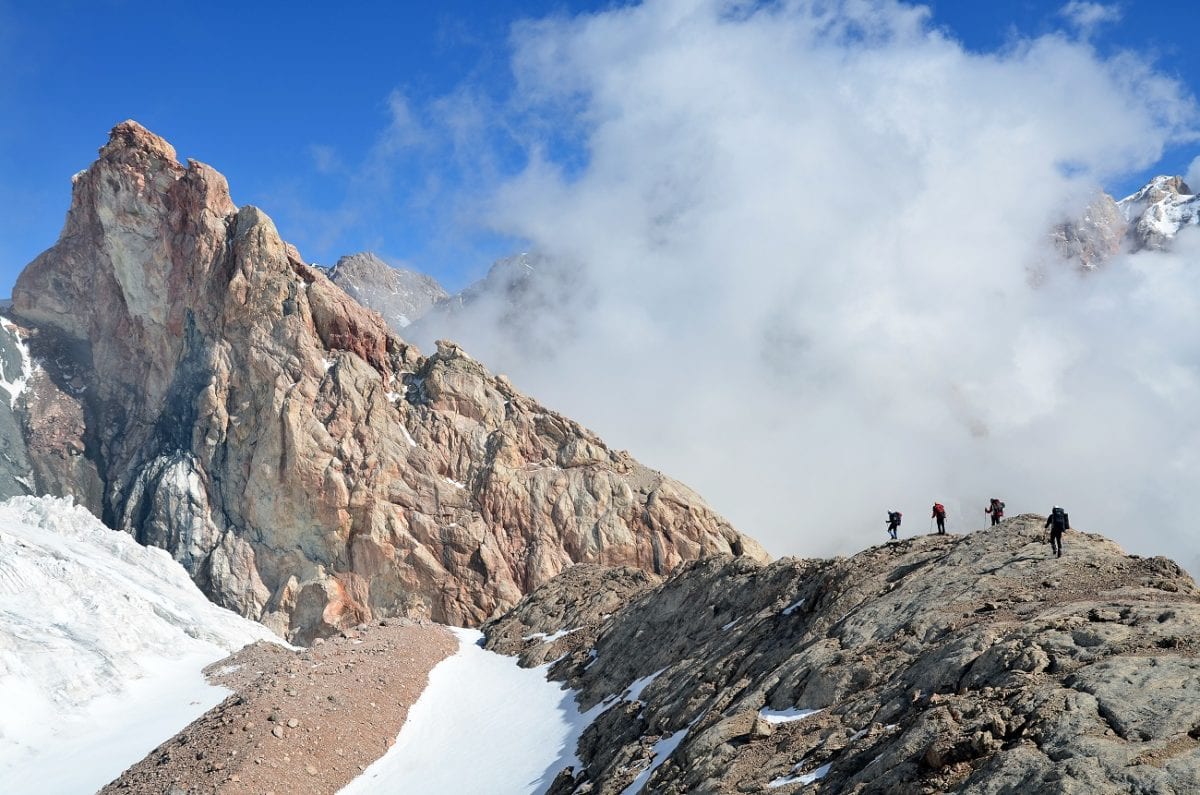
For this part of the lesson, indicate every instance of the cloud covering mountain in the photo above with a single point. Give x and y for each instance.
(812, 244)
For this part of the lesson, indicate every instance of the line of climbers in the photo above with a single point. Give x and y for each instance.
(1057, 522)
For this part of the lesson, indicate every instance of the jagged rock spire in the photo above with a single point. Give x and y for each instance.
(308, 467)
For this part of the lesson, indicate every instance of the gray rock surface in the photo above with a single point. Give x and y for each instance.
(971, 664)
(401, 295)
(1095, 236)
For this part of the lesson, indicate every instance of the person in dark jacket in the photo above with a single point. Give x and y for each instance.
(893, 523)
(996, 509)
(939, 513)
(1057, 521)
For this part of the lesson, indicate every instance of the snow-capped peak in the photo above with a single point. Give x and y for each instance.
(1159, 210)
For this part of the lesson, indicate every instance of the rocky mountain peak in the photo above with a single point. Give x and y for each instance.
(1158, 212)
(204, 389)
(401, 295)
(1157, 189)
(129, 140)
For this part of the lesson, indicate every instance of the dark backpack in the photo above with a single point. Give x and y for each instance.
(1058, 519)
(894, 516)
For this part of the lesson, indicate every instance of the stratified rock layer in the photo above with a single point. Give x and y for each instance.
(218, 397)
(969, 664)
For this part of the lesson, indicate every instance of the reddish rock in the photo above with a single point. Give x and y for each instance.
(310, 468)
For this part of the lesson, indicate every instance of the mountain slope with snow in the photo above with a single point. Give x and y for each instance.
(102, 643)
(482, 725)
(1158, 211)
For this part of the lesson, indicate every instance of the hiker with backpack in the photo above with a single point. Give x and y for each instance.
(939, 513)
(893, 523)
(996, 509)
(1057, 521)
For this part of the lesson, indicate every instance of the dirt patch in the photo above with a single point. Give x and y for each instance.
(303, 722)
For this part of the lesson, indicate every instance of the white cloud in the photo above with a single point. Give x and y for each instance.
(1086, 16)
(806, 233)
(1192, 177)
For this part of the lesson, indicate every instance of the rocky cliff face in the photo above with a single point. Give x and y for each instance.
(203, 388)
(399, 294)
(970, 664)
(1095, 236)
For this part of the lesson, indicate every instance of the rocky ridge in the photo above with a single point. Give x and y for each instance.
(300, 722)
(401, 295)
(970, 664)
(201, 387)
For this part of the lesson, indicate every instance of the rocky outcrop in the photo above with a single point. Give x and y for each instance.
(401, 295)
(970, 664)
(1093, 237)
(221, 399)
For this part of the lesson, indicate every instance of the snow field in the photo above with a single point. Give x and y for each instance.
(102, 642)
(483, 724)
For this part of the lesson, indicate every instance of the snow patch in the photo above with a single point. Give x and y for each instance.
(14, 383)
(408, 436)
(634, 691)
(786, 715)
(662, 751)
(553, 636)
(483, 724)
(804, 778)
(793, 607)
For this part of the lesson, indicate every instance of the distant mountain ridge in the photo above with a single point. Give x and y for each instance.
(401, 295)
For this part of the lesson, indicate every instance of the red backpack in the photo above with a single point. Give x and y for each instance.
(939, 509)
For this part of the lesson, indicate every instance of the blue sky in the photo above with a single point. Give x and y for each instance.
(320, 117)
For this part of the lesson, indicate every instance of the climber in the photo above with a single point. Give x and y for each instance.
(893, 522)
(996, 509)
(939, 513)
(1057, 521)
